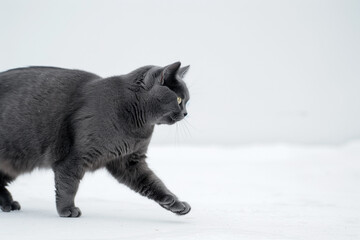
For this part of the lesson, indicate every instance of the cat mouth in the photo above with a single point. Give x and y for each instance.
(175, 118)
(172, 120)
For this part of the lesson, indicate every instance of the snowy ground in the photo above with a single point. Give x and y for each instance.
(253, 192)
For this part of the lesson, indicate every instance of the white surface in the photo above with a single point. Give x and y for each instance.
(254, 192)
(265, 71)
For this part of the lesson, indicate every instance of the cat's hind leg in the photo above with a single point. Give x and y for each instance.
(7, 203)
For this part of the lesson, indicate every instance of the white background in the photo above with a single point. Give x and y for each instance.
(247, 193)
(273, 117)
(261, 71)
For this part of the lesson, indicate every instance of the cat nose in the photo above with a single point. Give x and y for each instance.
(185, 113)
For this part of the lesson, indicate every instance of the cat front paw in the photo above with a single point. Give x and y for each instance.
(180, 208)
(70, 212)
(167, 200)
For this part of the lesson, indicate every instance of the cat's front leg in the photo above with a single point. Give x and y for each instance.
(135, 173)
(67, 178)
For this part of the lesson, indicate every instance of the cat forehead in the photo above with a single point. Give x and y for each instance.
(180, 88)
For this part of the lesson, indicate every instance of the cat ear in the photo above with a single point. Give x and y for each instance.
(182, 71)
(169, 71)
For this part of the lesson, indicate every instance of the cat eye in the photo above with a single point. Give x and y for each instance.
(179, 100)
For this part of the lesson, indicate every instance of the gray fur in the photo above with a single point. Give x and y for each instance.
(74, 122)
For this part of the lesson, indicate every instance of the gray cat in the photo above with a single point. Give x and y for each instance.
(74, 121)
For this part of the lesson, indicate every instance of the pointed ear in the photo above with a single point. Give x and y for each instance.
(169, 71)
(182, 71)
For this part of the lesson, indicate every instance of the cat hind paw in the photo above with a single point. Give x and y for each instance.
(11, 207)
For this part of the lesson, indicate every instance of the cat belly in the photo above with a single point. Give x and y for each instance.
(16, 167)
(7, 168)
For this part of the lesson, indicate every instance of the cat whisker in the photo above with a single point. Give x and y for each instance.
(182, 129)
(177, 134)
(187, 129)
(189, 124)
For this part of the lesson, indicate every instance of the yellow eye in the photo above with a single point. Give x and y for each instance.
(179, 100)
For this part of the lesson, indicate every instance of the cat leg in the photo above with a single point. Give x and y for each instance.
(139, 177)
(6, 201)
(67, 179)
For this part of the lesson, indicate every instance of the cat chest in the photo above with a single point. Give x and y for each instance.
(99, 156)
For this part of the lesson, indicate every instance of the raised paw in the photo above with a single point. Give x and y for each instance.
(10, 207)
(70, 212)
(180, 208)
(167, 200)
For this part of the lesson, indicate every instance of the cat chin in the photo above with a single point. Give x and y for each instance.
(165, 123)
(168, 120)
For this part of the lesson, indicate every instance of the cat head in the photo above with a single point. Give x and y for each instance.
(167, 93)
